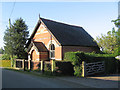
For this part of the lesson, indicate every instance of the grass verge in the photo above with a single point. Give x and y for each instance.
(5, 63)
(39, 74)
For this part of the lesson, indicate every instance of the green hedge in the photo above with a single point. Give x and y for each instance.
(5, 57)
(63, 68)
(77, 57)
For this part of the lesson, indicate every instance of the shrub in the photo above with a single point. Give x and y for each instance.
(78, 71)
(77, 57)
(47, 67)
(5, 57)
(63, 68)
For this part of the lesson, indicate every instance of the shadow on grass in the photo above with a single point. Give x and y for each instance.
(38, 73)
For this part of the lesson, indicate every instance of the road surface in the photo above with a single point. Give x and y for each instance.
(12, 79)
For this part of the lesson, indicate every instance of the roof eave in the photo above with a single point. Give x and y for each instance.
(33, 33)
(51, 33)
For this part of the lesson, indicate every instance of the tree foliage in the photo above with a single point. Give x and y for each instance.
(15, 38)
(110, 43)
(1, 50)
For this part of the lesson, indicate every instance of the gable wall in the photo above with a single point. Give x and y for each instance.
(35, 56)
(42, 35)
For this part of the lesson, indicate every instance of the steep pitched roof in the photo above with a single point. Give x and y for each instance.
(39, 46)
(67, 34)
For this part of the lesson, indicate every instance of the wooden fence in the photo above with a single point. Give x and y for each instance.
(33, 65)
(87, 68)
(92, 68)
(21, 63)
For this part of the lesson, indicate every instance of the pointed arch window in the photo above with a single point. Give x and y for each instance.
(52, 51)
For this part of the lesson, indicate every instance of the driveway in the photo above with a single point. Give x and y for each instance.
(12, 79)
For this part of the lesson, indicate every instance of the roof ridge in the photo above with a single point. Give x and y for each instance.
(61, 22)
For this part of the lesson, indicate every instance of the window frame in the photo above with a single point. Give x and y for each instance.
(52, 51)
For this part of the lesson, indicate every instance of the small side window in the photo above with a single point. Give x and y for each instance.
(52, 51)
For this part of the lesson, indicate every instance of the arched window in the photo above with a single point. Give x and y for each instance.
(52, 51)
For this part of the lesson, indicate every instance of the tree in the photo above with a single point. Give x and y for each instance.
(15, 38)
(117, 24)
(1, 50)
(110, 43)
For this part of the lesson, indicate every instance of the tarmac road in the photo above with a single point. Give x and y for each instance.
(12, 79)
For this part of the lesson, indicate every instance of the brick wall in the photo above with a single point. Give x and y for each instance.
(42, 35)
(44, 56)
(34, 55)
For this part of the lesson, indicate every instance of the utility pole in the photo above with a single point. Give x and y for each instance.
(11, 55)
(39, 15)
(9, 23)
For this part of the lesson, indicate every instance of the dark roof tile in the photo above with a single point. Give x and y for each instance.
(69, 34)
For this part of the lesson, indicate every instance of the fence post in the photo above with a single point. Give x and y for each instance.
(52, 68)
(83, 68)
(23, 64)
(42, 65)
(15, 63)
(28, 64)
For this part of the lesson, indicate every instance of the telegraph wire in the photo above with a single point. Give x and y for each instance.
(12, 8)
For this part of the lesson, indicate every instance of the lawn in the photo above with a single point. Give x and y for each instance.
(5, 63)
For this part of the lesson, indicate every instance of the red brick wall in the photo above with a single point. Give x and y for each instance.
(78, 48)
(44, 56)
(34, 55)
(42, 35)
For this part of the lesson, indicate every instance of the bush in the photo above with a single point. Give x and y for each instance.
(77, 57)
(47, 67)
(64, 68)
(78, 71)
(5, 57)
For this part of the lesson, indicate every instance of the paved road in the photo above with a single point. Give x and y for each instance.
(12, 79)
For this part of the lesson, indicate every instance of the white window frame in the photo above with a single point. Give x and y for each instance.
(52, 51)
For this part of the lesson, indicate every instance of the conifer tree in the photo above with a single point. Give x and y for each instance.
(15, 38)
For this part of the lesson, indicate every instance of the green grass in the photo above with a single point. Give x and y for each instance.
(39, 74)
(5, 63)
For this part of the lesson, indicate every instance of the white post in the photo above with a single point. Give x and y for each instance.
(83, 69)
(23, 64)
(42, 65)
(52, 65)
(29, 64)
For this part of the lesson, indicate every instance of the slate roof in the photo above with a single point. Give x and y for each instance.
(39, 45)
(68, 35)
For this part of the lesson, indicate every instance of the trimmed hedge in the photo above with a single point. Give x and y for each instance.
(63, 68)
(76, 58)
